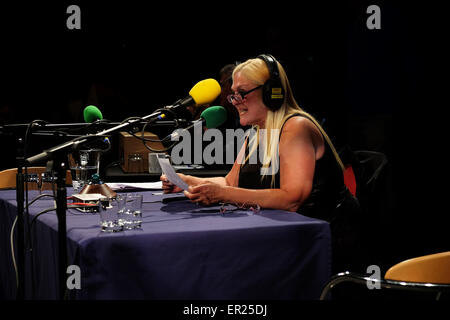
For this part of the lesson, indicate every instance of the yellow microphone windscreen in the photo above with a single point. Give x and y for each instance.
(205, 91)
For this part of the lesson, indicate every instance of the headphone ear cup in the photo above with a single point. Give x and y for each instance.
(273, 94)
(266, 90)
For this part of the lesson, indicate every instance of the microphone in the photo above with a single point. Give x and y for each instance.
(92, 113)
(203, 92)
(212, 117)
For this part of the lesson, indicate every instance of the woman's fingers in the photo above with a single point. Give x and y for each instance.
(167, 186)
(195, 195)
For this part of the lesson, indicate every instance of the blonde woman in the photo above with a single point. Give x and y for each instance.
(297, 167)
(300, 168)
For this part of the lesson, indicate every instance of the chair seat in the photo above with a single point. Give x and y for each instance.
(434, 268)
(426, 273)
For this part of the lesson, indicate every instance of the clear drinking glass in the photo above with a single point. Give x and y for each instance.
(132, 211)
(109, 215)
(82, 166)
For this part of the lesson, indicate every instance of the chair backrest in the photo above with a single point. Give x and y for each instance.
(369, 174)
(433, 268)
(8, 178)
(362, 169)
(350, 179)
(370, 166)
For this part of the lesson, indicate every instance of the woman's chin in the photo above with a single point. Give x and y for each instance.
(243, 122)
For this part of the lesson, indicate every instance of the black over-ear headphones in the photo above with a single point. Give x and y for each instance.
(273, 91)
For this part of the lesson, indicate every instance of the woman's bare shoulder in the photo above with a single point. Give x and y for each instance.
(299, 125)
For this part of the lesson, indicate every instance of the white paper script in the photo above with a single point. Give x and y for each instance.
(170, 173)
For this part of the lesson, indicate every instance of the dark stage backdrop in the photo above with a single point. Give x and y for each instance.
(379, 90)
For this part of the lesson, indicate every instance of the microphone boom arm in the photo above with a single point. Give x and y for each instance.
(74, 143)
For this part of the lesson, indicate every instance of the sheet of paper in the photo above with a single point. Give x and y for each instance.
(170, 173)
(136, 185)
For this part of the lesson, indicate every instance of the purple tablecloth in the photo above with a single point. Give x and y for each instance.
(183, 251)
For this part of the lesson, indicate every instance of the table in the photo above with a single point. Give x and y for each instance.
(182, 252)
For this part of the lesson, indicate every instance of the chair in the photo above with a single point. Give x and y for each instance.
(8, 178)
(430, 273)
(434, 268)
(362, 170)
(368, 176)
(350, 179)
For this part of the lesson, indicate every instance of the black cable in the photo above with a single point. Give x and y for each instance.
(40, 213)
(147, 122)
(29, 204)
(27, 212)
(52, 209)
(142, 136)
(95, 136)
(39, 197)
(162, 110)
(29, 242)
(163, 140)
(92, 124)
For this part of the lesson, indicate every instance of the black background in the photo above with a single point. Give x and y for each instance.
(381, 90)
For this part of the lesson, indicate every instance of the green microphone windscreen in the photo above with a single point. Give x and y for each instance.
(214, 116)
(91, 114)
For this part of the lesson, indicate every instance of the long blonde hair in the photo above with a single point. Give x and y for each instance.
(256, 71)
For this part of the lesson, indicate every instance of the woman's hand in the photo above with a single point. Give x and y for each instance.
(205, 193)
(167, 186)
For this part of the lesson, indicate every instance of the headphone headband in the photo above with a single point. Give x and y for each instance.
(271, 64)
(273, 91)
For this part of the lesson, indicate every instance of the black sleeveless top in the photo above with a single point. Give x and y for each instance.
(328, 189)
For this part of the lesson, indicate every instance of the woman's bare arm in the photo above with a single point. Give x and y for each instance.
(297, 164)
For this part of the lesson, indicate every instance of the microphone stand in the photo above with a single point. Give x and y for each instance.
(59, 166)
(58, 155)
(53, 126)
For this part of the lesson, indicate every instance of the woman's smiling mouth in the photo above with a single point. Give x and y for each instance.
(242, 111)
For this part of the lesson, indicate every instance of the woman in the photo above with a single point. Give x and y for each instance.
(309, 179)
(303, 170)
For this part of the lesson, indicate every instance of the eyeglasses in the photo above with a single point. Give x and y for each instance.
(228, 207)
(239, 96)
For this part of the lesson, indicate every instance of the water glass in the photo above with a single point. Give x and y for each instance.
(131, 210)
(110, 215)
(82, 166)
